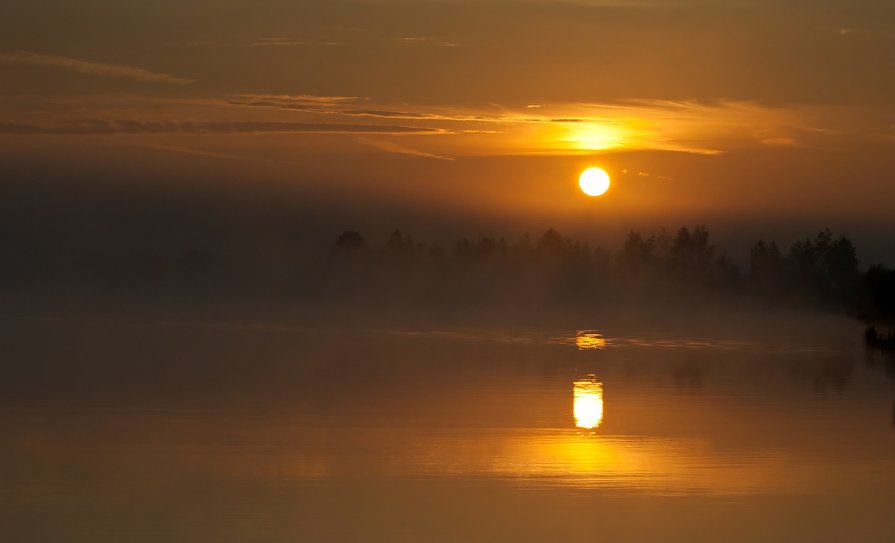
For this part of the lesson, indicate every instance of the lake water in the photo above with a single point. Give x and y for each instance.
(183, 432)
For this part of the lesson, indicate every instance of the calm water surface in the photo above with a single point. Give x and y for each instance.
(184, 432)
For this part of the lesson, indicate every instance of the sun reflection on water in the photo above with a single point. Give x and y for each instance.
(588, 340)
(588, 403)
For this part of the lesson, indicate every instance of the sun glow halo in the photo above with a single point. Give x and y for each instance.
(594, 181)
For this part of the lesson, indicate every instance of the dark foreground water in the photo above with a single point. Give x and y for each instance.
(217, 433)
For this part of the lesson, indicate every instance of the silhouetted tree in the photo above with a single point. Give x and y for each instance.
(351, 240)
(824, 269)
(399, 244)
(638, 252)
(692, 250)
(551, 242)
(766, 270)
(839, 262)
(464, 248)
(349, 273)
(802, 269)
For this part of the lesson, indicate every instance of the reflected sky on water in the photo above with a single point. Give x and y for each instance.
(184, 433)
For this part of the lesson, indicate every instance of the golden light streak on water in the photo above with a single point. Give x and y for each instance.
(588, 403)
(589, 340)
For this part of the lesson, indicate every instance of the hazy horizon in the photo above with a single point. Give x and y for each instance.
(498, 271)
(766, 119)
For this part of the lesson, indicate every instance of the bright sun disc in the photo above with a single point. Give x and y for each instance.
(594, 181)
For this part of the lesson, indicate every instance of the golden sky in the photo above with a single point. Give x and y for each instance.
(697, 108)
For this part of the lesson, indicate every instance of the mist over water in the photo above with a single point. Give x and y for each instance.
(177, 431)
(447, 271)
(194, 380)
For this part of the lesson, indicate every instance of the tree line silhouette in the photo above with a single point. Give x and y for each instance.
(550, 271)
(821, 272)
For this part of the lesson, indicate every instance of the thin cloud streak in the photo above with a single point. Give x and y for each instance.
(102, 127)
(274, 42)
(397, 148)
(708, 128)
(291, 42)
(684, 126)
(117, 71)
(197, 152)
(336, 105)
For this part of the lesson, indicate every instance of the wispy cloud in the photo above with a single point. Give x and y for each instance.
(197, 152)
(514, 129)
(282, 41)
(293, 100)
(91, 68)
(397, 148)
(274, 42)
(347, 106)
(424, 40)
(105, 127)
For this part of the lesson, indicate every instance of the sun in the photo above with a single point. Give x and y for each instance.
(594, 181)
